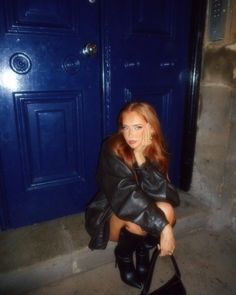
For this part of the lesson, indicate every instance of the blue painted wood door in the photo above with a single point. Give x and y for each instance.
(147, 58)
(50, 108)
(57, 103)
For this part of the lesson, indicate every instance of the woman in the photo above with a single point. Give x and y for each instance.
(134, 206)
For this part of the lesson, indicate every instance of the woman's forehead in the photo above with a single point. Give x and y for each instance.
(132, 118)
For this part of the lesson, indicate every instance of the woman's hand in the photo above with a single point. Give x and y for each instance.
(167, 241)
(146, 141)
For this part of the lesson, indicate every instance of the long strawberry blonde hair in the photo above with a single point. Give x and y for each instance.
(156, 152)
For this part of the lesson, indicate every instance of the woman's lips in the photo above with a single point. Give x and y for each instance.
(131, 142)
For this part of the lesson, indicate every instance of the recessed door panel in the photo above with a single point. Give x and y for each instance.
(152, 17)
(34, 16)
(50, 131)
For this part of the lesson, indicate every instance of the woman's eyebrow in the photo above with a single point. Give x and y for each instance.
(135, 124)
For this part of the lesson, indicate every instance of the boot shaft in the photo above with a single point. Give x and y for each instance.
(128, 243)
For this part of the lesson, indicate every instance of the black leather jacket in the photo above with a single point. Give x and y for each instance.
(130, 194)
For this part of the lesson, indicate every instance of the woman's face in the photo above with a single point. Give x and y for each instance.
(133, 128)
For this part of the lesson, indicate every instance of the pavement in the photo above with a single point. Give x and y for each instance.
(53, 258)
(207, 261)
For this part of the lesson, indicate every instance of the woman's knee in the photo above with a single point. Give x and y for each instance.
(168, 210)
(116, 224)
(134, 228)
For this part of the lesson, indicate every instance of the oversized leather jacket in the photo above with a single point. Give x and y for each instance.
(128, 193)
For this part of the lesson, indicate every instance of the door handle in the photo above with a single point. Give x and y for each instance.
(90, 49)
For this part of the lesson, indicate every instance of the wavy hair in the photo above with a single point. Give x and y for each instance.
(156, 152)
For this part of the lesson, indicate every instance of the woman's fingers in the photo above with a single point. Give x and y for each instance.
(147, 135)
(166, 252)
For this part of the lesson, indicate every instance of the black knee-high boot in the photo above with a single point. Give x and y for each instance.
(124, 257)
(142, 255)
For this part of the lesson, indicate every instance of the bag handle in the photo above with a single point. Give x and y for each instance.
(148, 280)
(177, 271)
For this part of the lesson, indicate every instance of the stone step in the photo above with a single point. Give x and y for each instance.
(204, 257)
(34, 256)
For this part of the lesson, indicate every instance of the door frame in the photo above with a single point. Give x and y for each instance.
(199, 9)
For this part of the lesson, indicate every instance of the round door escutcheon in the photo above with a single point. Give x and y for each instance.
(71, 64)
(20, 63)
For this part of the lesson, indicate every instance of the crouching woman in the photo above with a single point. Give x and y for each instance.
(135, 203)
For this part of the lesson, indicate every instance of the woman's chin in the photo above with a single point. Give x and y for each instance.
(132, 146)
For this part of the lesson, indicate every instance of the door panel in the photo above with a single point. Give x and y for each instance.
(50, 108)
(146, 58)
(50, 135)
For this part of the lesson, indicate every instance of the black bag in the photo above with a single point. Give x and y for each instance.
(174, 286)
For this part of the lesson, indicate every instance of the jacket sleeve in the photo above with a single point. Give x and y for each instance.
(156, 185)
(127, 200)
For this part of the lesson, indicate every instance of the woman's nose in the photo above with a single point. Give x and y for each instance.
(130, 132)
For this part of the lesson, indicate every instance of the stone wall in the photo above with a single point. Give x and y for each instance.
(214, 173)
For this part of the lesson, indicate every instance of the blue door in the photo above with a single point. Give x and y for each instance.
(66, 69)
(146, 58)
(50, 108)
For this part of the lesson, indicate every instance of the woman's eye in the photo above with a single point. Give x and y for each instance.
(124, 128)
(138, 127)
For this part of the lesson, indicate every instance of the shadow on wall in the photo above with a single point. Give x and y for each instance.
(220, 65)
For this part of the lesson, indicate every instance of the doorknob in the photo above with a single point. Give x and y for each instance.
(90, 49)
